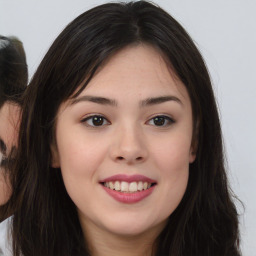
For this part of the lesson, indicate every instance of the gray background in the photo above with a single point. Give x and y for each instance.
(224, 31)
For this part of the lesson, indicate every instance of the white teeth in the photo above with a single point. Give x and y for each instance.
(133, 187)
(117, 185)
(124, 186)
(111, 185)
(140, 185)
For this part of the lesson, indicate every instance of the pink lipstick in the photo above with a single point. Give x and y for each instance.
(128, 189)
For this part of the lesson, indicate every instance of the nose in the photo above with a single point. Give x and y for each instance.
(129, 146)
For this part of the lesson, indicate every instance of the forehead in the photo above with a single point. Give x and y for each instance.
(140, 70)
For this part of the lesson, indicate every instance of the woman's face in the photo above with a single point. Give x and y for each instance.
(9, 116)
(124, 144)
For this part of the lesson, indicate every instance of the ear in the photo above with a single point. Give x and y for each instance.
(194, 144)
(192, 155)
(55, 162)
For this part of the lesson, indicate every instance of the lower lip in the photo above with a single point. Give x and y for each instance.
(129, 198)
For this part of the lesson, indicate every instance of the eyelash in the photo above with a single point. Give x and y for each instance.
(165, 121)
(90, 118)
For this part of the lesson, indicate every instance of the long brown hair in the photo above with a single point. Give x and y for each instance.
(45, 220)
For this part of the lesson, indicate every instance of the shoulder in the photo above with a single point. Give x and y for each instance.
(5, 246)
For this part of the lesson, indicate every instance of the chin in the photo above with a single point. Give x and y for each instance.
(128, 227)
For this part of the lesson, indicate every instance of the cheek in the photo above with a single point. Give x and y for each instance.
(172, 162)
(80, 161)
(174, 167)
(173, 154)
(77, 168)
(80, 156)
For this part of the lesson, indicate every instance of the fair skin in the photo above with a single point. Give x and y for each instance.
(133, 118)
(9, 121)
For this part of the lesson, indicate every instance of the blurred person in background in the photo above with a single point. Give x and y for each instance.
(13, 81)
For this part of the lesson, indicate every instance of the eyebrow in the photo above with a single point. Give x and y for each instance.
(159, 100)
(147, 102)
(95, 99)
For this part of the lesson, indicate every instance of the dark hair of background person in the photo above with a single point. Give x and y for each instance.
(13, 70)
(13, 82)
(45, 221)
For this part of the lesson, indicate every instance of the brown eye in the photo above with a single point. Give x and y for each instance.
(95, 121)
(161, 121)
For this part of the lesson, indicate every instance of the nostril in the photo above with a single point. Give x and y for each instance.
(121, 158)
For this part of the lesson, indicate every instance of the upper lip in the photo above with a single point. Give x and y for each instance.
(128, 178)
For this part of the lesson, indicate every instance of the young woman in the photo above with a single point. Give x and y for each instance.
(120, 144)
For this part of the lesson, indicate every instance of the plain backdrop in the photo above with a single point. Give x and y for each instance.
(224, 31)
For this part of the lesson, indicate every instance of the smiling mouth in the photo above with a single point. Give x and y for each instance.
(128, 187)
